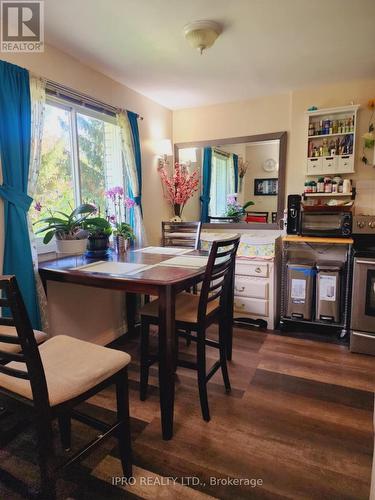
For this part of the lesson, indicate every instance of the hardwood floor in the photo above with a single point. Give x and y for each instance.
(299, 418)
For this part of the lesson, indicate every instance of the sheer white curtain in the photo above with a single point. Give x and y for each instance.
(132, 177)
(38, 99)
(222, 183)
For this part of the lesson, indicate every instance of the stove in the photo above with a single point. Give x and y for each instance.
(362, 325)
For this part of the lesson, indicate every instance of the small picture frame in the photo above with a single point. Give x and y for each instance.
(266, 187)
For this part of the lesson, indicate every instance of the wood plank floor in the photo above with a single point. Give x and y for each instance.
(298, 420)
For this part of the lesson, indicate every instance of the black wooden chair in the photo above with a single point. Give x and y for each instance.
(53, 379)
(195, 313)
(181, 234)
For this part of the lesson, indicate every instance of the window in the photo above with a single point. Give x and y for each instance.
(222, 182)
(81, 159)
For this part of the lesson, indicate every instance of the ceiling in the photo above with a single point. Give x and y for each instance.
(267, 46)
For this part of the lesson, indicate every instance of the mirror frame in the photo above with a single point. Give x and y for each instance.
(282, 137)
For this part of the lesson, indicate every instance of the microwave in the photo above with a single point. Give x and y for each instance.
(330, 224)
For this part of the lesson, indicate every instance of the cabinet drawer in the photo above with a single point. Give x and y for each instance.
(314, 166)
(345, 164)
(329, 165)
(252, 269)
(251, 287)
(251, 306)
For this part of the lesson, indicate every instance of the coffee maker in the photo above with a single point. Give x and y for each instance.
(293, 214)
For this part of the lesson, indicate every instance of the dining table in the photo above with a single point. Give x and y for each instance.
(145, 272)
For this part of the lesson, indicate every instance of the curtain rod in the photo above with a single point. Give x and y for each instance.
(222, 153)
(54, 88)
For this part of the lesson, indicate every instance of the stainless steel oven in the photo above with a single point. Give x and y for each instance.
(362, 329)
(326, 224)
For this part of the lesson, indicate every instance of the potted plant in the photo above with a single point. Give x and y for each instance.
(123, 234)
(99, 231)
(68, 229)
(235, 209)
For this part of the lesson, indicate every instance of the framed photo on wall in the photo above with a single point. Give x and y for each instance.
(266, 187)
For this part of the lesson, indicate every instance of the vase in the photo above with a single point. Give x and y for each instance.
(177, 210)
(121, 244)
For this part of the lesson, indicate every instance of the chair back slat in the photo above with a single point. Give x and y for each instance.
(13, 372)
(218, 279)
(29, 354)
(7, 321)
(181, 234)
(12, 356)
(4, 302)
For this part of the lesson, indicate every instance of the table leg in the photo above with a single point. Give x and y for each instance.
(131, 310)
(167, 349)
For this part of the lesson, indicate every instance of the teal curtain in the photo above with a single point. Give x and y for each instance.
(235, 167)
(133, 120)
(205, 197)
(15, 138)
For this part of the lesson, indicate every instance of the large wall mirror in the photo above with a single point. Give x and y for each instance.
(236, 172)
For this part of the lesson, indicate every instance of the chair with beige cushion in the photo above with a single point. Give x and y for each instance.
(194, 314)
(54, 378)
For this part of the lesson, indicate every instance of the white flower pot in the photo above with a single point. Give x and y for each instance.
(72, 247)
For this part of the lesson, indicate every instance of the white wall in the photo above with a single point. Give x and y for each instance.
(101, 309)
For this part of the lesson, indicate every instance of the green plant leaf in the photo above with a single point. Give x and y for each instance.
(48, 237)
(248, 204)
(85, 208)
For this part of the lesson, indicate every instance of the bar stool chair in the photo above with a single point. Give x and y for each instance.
(194, 314)
(52, 379)
(181, 234)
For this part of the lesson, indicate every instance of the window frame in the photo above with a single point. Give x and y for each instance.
(73, 109)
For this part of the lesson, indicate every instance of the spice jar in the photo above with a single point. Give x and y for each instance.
(328, 186)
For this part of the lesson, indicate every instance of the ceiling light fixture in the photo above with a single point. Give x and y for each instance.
(202, 34)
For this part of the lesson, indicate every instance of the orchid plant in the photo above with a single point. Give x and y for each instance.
(178, 187)
(235, 209)
(120, 204)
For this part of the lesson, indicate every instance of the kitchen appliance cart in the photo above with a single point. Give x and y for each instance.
(315, 248)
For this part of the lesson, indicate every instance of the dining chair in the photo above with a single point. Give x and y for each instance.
(194, 314)
(55, 377)
(219, 220)
(181, 234)
(256, 217)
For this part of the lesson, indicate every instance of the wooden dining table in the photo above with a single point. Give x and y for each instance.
(162, 281)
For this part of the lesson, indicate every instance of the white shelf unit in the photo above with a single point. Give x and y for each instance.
(327, 195)
(336, 163)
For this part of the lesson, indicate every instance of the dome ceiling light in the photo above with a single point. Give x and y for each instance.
(202, 34)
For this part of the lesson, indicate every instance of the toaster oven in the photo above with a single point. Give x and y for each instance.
(329, 224)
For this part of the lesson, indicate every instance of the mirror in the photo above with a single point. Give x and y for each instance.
(237, 172)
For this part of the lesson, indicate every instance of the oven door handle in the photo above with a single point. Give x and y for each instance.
(368, 262)
(367, 336)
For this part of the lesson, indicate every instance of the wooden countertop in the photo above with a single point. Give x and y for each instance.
(291, 238)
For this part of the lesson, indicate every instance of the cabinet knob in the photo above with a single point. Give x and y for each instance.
(239, 289)
(258, 270)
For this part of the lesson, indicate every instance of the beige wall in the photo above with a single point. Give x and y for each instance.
(101, 310)
(278, 113)
(256, 154)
